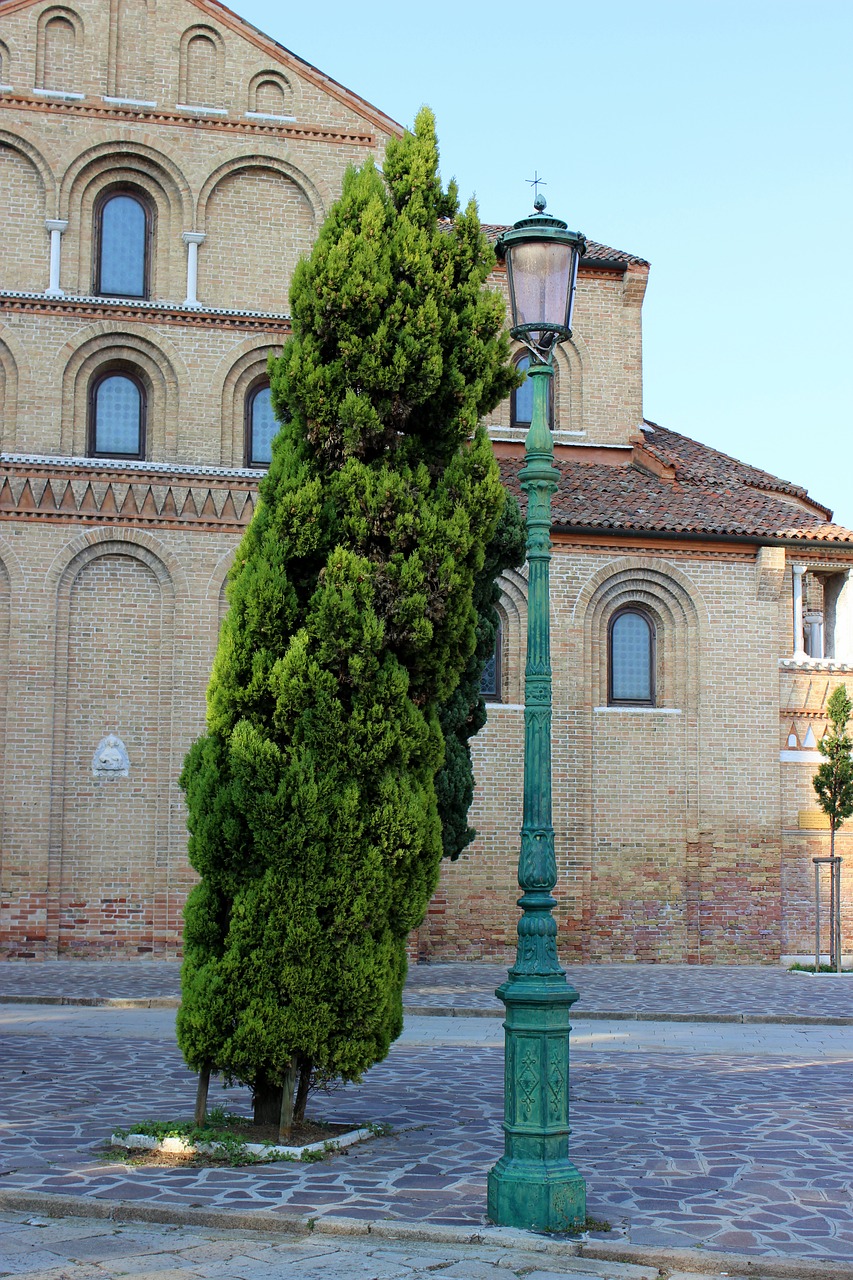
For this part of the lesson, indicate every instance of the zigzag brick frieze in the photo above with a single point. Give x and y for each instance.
(301, 133)
(83, 493)
(152, 313)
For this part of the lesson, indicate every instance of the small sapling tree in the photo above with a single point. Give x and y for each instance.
(312, 807)
(833, 782)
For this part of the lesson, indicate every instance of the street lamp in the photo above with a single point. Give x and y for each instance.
(534, 1184)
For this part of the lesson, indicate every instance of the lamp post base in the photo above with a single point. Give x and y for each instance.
(535, 1196)
(534, 1185)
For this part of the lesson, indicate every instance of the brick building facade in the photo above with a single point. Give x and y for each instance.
(162, 168)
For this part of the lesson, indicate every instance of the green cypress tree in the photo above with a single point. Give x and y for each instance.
(313, 816)
(833, 782)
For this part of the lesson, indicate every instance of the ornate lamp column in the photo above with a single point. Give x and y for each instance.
(534, 1184)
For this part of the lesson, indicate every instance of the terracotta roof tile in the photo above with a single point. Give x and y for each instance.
(594, 252)
(708, 493)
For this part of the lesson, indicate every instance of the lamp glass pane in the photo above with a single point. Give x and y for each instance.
(118, 416)
(541, 280)
(631, 659)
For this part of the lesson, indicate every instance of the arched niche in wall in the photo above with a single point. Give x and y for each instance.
(129, 74)
(26, 193)
(5, 64)
(202, 68)
(106, 347)
(115, 601)
(271, 94)
(59, 45)
(253, 271)
(8, 391)
(157, 181)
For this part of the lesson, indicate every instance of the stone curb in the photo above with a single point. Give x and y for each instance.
(692, 1261)
(455, 1011)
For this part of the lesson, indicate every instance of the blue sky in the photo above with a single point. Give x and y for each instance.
(713, 138)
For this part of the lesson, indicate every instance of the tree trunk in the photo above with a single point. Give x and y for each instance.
(266, 1103)
(302, 1091)
(285, 1123)
(201, 1097)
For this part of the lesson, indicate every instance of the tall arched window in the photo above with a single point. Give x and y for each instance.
(631, 658)
(122, 245)
(490, 681)
(261, 426)
(117, 416)
(521, 406)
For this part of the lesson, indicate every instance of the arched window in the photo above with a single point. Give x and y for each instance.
(122, 245)
(261, 426)
(117, 416)
(631, 658)
(490, 681)
(521, 406)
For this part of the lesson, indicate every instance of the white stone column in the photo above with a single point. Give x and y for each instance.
(55, 226)
(799, 649)
(192, 239)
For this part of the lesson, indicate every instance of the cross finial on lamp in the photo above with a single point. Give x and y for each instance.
(536, 182)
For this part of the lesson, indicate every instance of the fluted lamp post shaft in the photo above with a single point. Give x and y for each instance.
(535, 1185)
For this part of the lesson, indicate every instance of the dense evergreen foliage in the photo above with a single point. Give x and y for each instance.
(313, 815)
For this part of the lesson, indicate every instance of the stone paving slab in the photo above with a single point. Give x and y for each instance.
(750, 1154)
(81, 1249)
(673, 992)
(616, 1035)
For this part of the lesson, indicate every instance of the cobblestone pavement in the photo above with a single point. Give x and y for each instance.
(746, 1152)
(670, 991)
(89, 1249)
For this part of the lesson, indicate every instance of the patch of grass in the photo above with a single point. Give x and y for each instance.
(809, 968)
(231, 1133)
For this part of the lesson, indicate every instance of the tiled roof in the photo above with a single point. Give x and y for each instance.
(700, 491)
(594, 252)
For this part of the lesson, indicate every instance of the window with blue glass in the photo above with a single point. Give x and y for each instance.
(117, 416)
(261, 426)
(123, 242)
(490, 681)
(521, 405)
(631, 658)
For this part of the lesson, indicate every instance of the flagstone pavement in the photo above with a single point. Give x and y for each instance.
(729, 1137)
(678, 992)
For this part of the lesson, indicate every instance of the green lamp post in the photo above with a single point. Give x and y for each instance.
(534, 1185)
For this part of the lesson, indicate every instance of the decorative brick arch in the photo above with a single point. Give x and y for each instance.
(157, 364)
(243, 368)
(676, 606)
(27, 195)
(20, 142)
(13, 362)
(126, 163)
(214, 94)
(512, 610)
(258, 160)
(283, 94)
(54, 63)
(83, 552)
